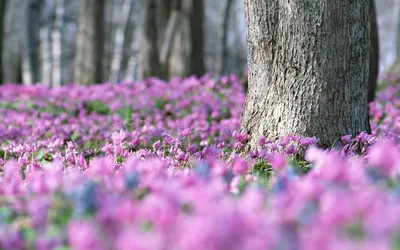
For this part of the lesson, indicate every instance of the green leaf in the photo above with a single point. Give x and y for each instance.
(64, 247)
(160, 103)
(30, 236)
(40, 155)
(125, 113)
(98, 107)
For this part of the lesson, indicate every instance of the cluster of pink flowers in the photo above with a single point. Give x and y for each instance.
(159, 165)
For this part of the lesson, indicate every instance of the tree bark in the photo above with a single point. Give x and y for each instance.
(308, 70)
(89, 48)
(149, 64)
(374, 50)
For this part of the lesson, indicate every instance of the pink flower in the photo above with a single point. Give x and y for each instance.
(278, 161)
(384, 155)
(240, 166)
(82, 235)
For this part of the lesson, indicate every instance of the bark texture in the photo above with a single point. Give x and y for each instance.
(374, 49)
(308, 68)
(89, 48)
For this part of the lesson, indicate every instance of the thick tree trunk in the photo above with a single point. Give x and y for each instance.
(308, 68)
(149, 64)
(89, 48)
(374, 49)
(2, 18)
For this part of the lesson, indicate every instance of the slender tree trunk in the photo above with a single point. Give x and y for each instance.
(186, 53)
(374, 61)
(134, 48)
(165, 12)
(3, 5)
(46, 28)
(120, 37)
(89, 49)
(130, 31)
(394, 69)
(149, 64)
(308, 70)
(113, 12)
(68, 40)
(197, 36)
(57, 44)
(224, 38)
(30, 67)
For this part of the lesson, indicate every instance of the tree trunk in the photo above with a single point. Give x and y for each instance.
(374, 50)
(308, 70)
(89, 48)
(30, 67)
(197, 36)
(2, 14)
(394, 69)
(13, 37)
(57, 44)
(149, 64)
(165, 12)
(186, 54)
(224, 38)
(46, 28)
(120, 37)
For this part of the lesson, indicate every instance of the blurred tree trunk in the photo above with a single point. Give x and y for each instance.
(122, 36)
(13, 41)
(112, 21)
(68, 40)
(89, 48)
(223, 67)
(308, 73)
(197, 36)
(149, 64)
(186, 55)
(57, 44)
(30, 61)
(3, 5)
(394, 69)
(46, 28)
(165, 12)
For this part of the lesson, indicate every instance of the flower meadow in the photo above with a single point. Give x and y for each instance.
(162, 165)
